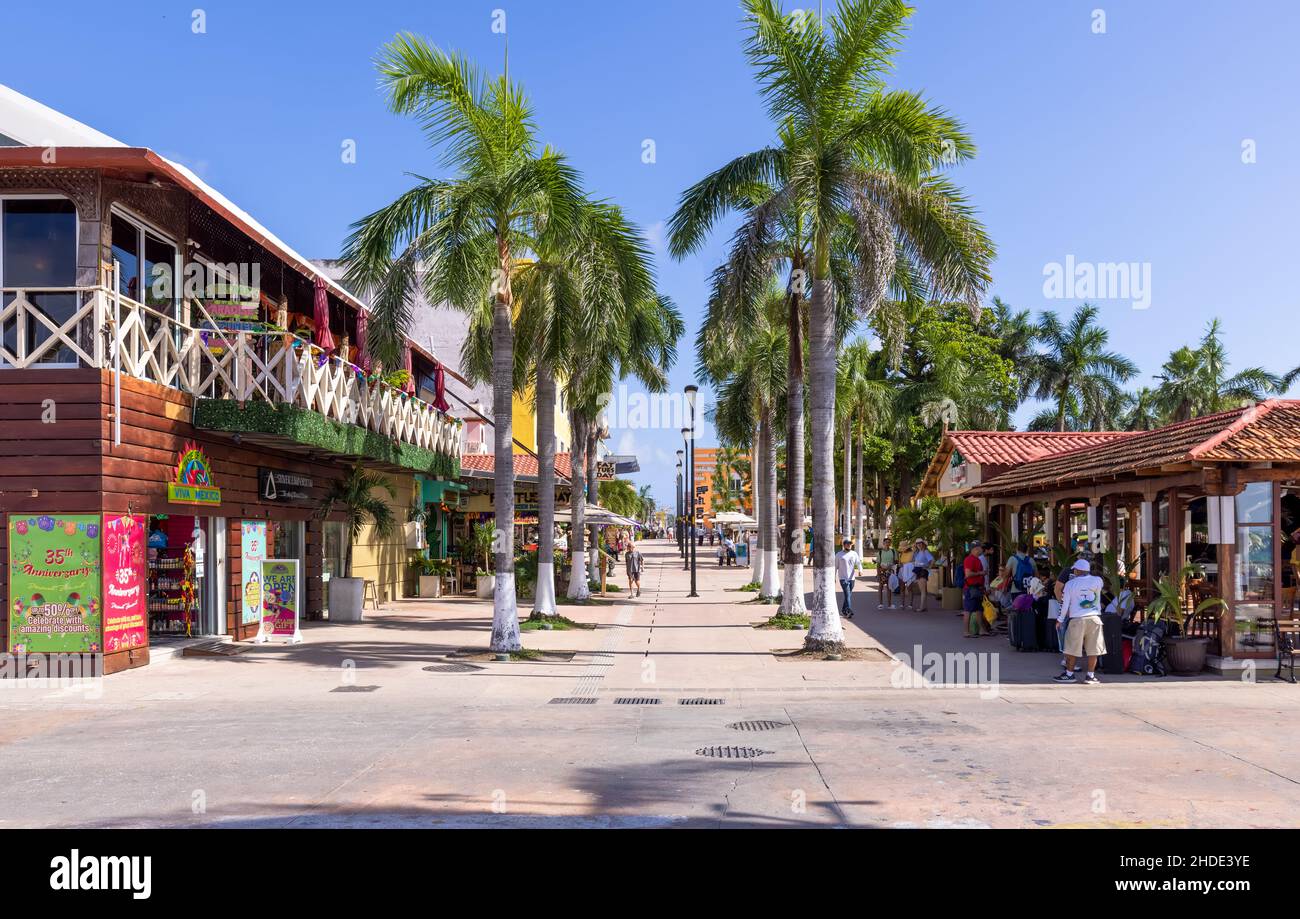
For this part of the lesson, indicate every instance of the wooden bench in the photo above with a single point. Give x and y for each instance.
(1286, 633)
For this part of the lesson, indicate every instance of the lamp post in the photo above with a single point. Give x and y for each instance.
(681, 542)
(688, 501)
(691, 392)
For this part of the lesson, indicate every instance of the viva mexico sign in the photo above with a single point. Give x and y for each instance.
(193, 480)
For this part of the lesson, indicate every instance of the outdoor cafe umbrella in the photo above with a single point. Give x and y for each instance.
(363, 332)
(321, 315)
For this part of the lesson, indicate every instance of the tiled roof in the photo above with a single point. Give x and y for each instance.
(1266, 432)
(1008, 448)
(525, 465)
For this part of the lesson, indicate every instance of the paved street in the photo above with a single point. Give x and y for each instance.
(351, 729)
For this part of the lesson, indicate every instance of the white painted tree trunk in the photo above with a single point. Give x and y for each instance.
(544, 595)
(578, 588)
(770, 583)
(792, 537)
(760, 509)
(505, 610)
(826, 632)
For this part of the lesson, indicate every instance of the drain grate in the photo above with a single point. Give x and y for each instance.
(635, 700)
(757, 725)
(701, 701)
(733, 752)
(451, 668)
(571, 700)
(354, 689)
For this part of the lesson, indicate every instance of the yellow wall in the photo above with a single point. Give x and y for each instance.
(388, 563)
(525, 424)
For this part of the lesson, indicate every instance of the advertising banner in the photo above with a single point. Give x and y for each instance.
(126, 619)
(252, 539)
(54, 583)
(280, 600)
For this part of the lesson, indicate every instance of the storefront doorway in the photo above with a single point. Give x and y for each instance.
(186, 575)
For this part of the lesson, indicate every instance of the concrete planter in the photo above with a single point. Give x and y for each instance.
(345, 599)
(483, 586)
(430, 586)
(951, 598)
(1187, 655)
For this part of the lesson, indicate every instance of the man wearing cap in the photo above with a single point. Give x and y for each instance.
(1081, 614)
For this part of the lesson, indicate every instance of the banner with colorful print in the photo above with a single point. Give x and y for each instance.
(126, 617)
(252, 540)
(280, 600)
(54, 583)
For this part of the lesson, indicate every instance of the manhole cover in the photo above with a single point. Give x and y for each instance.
(354, 689)
(757, 725)
(451, 668)
(635, 700)
(571, 700)
(701, 701)
(733, 752)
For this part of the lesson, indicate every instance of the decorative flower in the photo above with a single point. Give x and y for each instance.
(45, 523)
(70, 528)
(92, 531)
(21, 527)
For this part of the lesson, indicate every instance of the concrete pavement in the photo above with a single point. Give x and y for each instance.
(351, 729)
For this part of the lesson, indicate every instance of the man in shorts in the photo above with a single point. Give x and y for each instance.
(1081, 612)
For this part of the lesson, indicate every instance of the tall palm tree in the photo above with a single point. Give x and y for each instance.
(360, 496)
(855, 161)
(1142, 413)
(460, 238)
(1076, 369)
(1195, 381)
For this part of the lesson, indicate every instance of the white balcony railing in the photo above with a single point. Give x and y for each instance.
(94, 327)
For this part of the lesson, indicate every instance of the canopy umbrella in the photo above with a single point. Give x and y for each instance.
(409, 386)
(321, 315)
(733, 518)
(440, 389)
(593, 515)
(363, 331)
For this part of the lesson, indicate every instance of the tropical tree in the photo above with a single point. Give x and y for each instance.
(459, 238)
(860, 162)
(1195, 381)
(620, 496)
(1076, 371)
(359, 495)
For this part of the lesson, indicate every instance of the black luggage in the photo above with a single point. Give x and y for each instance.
(1112, 633)
(1022, 630)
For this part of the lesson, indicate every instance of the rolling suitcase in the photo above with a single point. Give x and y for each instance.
(1022, 630)
(1112, 633)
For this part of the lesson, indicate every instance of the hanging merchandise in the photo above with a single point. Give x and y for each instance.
(188, 596)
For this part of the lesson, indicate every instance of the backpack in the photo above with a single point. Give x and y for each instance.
(1024, 571)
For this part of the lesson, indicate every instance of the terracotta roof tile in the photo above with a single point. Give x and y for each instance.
(1269, 431)
(525, 465)
(1009, 448)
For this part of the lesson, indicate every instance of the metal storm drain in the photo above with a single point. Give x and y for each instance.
(354, 689)
(572, 700)
(701, 701)
(635, 700)
(733, 752)
(451, 668)
(757, 725)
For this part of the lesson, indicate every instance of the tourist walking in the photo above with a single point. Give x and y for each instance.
(635, 561)
(886, 560)
(1081, 615)
(847, 563)
(922, 562)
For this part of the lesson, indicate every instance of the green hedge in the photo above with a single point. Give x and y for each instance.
(315, 430)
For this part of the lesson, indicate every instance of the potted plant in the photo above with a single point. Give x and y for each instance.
(482, 543)
(429, 573)
(355, 495)
(947, 528)
(1186, 654)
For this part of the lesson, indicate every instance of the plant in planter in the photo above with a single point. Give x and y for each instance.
(1186, 654)
(355, 495)
(480, 548)
(429, 572)
(946, 527)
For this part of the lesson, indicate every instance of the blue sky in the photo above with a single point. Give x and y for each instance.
(1124, 146)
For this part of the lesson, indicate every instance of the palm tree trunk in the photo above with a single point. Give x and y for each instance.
(593, 492)
(505, 612)
(792, 543)
(578, 589)
(544, 593)
(861, 510)
(770, 584)
(826, 632)
(846, 508)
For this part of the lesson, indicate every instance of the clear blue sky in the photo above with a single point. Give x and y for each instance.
(1123, 146)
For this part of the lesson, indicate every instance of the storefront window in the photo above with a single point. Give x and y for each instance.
(1162, 537)
(1254, 563)
(1255, 504)
(38, 249)
(1255, 575)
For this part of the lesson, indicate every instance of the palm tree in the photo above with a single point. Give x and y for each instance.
(1076, 370)
(460, 238)
(1194, 381)
(358, 496)
(1142, 413)
(855, 162)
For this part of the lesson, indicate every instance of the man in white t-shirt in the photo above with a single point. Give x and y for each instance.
(847, 562)
(1081, 614)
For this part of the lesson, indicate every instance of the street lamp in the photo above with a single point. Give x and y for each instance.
(691, 392)
(681, 542)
